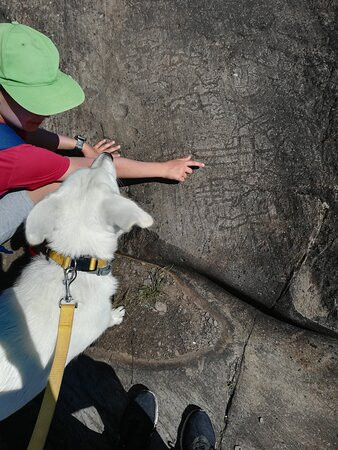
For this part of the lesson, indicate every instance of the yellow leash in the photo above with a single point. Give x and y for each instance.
(67, 305)
(44, 419)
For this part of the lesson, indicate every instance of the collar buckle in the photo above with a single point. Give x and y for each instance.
(86, 264)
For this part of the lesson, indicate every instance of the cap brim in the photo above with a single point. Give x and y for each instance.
(63, 94)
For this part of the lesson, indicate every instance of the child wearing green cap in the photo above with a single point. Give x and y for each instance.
(33, 88)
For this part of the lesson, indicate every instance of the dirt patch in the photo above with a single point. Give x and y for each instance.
(165, 320)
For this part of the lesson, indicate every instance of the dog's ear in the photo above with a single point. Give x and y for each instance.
(41, 219)
(124, 213)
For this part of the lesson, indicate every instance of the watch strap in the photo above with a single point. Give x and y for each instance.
(80, 140)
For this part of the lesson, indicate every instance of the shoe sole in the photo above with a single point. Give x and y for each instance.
(156, 409)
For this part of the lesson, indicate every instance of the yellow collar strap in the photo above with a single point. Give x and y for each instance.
(83, 263)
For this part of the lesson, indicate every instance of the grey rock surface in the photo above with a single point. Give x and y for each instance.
(295, 406)
(246, 87)
(249, 89)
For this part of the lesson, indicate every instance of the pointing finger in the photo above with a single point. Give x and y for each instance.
(196, 164)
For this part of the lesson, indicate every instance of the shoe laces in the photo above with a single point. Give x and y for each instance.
(201, 443)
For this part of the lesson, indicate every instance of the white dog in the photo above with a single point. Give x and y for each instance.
(84, 217)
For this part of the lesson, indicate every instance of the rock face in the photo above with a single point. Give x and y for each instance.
(288, 409)
(249, 89)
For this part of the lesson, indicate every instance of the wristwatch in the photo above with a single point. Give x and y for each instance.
(80, 140)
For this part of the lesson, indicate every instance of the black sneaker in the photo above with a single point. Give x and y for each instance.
(139, 419)
(195, 431)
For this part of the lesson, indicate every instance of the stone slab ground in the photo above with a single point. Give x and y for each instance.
(264, 383)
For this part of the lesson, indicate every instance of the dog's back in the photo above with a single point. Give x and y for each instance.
(29, 315)
(85, 216)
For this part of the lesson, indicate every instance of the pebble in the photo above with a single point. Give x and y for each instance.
(161, 307)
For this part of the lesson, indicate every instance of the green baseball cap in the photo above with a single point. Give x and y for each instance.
(29, 71)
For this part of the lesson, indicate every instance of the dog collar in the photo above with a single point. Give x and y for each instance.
(83, 264)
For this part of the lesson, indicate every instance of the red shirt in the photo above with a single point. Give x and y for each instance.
(28, 167)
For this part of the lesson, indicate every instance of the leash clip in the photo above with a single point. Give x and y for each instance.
(69, 276)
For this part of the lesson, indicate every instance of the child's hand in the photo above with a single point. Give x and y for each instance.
(103, 146)
(179, 169)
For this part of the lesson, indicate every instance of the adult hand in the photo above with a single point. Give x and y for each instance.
(179, 169)
(105, 145)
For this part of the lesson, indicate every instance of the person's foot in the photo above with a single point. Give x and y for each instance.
(139, 419)
(195, 431)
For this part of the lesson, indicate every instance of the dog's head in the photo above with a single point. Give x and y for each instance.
(86, 214)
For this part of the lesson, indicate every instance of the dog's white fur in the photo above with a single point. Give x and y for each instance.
(85, 216)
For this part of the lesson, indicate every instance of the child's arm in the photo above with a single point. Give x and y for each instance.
(175, 169)
(104, 145)
(53, 141)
